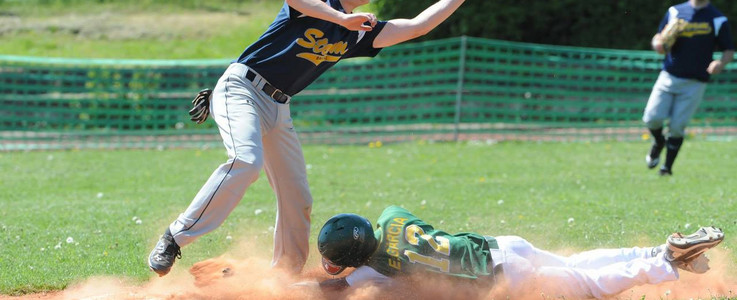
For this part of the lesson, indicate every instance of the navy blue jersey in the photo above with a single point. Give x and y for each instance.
(694, 49)
(296, 49)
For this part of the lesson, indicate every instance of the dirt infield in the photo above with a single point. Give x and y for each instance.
(253, 279)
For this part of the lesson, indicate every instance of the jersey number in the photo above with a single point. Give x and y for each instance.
(441, 245)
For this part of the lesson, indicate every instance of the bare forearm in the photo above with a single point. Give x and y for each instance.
(400, 30)
(320, 10)
(316, 9)
(435, 14)
(727, 57)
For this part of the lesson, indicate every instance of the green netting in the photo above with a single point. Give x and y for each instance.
(453, 89)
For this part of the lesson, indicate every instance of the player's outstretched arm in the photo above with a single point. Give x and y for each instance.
(320, 10)
(329, 285)
(400, 30)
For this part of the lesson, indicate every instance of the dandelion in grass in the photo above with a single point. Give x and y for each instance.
(70, 240)
(500, 202)
(571, 220)
(99, 195)
(258, 211)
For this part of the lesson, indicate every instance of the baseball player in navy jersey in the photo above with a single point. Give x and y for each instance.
(250, 105)
(686, 69)
(402, 244)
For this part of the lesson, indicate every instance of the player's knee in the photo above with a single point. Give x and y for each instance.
(516, 244)
(676, 131)
(247, 168)
(652, 123)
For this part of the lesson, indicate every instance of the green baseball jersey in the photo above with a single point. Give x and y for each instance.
(408, 245)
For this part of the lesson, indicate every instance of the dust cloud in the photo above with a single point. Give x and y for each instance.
(253, 278)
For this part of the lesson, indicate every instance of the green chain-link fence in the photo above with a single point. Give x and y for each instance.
(454, 89)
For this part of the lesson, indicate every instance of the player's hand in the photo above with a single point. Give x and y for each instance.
(715, 67)
(359, 21)
(657, 44)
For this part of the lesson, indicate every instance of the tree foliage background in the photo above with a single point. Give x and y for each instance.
(620, 24)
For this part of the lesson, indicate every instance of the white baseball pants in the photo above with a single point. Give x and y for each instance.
(257, 132)
(673, 98)
(592, 274)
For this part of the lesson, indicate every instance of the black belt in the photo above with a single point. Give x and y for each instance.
(270, 90)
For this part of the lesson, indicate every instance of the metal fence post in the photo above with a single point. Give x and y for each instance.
(459, 87)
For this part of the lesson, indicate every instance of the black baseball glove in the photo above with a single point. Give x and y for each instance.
(200, 106)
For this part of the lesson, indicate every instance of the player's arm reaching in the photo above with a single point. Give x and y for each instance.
(319, 9)
(363, 275)
(329, 285)
(399, 30)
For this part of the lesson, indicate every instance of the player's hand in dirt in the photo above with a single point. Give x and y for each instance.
(212, 270)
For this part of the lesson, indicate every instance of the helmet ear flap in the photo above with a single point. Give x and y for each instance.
(331, 268)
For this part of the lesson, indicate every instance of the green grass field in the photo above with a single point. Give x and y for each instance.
(67, 216)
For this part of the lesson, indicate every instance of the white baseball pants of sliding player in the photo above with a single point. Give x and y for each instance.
(592, 274)
(257, 132)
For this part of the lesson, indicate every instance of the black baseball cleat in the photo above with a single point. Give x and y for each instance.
(651, 162)
(653, 158)
(686, 248)
(665, 172)
(164, 254)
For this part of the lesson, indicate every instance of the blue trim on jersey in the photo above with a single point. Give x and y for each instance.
(296, 49)
(694, 49)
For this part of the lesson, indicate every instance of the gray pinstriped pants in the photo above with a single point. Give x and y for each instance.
(673, 98)
(257, 133)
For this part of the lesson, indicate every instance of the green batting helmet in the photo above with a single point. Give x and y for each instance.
(346, 240)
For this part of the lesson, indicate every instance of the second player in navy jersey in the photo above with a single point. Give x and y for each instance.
(687, 68)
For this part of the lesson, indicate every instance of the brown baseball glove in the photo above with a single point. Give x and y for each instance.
(200, 106)
(212, 270)
(670, 33)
